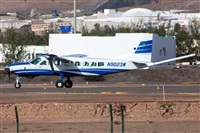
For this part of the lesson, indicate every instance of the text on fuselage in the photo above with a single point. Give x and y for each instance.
(116, 64)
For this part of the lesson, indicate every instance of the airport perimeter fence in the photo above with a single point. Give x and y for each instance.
(113, 124)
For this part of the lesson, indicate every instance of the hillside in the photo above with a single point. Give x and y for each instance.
(89, 6)
(193, 5)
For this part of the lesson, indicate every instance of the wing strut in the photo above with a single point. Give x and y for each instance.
(50, 59)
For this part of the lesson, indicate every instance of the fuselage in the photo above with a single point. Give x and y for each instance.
(72, 66)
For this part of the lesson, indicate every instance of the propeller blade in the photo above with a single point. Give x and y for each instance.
(8, 72)
(196, 54)
(9, 75)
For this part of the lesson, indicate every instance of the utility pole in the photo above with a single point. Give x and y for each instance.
(74, 16)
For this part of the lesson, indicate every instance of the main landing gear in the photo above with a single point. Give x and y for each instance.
(60, 84)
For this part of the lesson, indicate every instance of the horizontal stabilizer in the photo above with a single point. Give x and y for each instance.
(169, 60)
(140, 64)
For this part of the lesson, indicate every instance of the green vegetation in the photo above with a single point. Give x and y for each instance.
(15, 41)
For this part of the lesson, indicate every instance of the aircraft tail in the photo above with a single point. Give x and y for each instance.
(140, 53)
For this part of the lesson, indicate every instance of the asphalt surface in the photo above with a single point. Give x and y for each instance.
(108, 87)
(103, 93)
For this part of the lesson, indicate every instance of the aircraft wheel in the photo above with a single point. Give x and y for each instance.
(17, 85)
(59, 84)
(68, 84)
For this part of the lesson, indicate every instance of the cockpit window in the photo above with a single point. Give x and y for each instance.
(36, 61)
(43, 63)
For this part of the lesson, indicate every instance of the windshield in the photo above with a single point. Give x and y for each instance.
(36, 61)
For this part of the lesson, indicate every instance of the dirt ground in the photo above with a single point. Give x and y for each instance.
(145, 117)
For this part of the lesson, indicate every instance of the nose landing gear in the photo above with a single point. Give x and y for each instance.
(17, 84)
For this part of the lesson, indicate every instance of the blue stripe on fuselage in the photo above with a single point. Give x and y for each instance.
(20, 63)
(71, 72)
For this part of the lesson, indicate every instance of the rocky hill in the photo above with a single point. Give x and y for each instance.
(89, 6)
(193, 5)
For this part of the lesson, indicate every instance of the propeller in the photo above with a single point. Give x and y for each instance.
(195, 57)
(7, 70)
(9, 75)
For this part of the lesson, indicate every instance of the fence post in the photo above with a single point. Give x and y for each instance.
(122, 116)
(111, 119)
(163, 92)
(17, 120)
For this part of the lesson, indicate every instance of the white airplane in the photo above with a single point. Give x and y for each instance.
(77, 65)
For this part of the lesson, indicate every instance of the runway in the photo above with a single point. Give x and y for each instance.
(107, 87)
(92, 93)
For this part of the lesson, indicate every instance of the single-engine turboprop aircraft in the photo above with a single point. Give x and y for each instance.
(76, 65)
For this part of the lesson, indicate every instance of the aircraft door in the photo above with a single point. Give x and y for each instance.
(44, 65)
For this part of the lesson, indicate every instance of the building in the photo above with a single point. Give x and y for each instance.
(140, 47)
(41, 29)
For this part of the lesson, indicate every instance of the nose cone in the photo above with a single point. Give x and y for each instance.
(19, 63)
(17, 66)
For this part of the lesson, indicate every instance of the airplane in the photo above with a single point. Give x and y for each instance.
(77, 65)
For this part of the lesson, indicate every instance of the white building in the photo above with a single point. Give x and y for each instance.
(112, 18)
(141, 47)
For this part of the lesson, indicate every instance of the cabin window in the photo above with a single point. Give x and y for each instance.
(77, 63)
(36, 61)
(94, 64)
(58, 63)
(68, 63)
(43, 63)
(100, 63)
(86, 63)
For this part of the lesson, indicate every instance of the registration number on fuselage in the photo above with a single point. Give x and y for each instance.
(116, 64)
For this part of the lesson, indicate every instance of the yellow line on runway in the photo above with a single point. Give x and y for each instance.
(107, 92)
(190, 83)
(121, 92)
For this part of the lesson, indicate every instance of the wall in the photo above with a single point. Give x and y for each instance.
(163, 48)
(122, 44)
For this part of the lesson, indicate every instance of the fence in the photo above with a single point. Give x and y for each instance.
(118, 120)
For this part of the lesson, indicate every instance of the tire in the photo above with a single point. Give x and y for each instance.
(68, 84)
(59, 84)
(17, 85)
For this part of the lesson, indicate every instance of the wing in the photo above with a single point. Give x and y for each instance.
(52, 57)
(75, 55)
